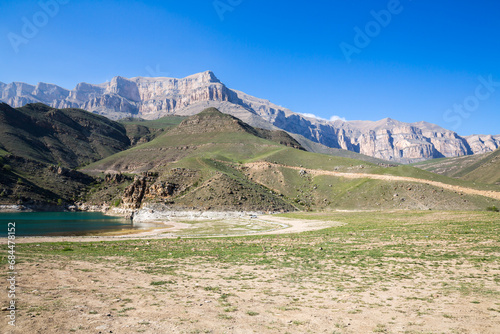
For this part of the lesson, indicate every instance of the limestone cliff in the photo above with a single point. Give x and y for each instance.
(152, 98)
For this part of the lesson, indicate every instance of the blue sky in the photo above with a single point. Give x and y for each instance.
(416, 60)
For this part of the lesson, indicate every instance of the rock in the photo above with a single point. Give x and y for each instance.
(151, 98)
(134, 193)
(116, 178)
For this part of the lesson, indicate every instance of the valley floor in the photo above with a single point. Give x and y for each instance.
(375, 272)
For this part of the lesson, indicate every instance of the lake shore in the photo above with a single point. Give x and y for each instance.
(173, 229)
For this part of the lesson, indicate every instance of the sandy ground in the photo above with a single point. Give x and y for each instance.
(82, 297)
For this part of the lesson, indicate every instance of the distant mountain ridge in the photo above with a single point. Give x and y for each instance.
(151, 98)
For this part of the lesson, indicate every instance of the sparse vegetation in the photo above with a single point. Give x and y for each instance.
(379, 269)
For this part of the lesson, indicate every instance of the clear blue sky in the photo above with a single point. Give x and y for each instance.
(415, 66)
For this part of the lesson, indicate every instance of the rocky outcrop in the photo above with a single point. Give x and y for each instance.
(145, 186)
(152, 98)
(134, 193)
(483, 143)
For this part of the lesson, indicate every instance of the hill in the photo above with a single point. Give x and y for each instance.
(486, 170)
(483, 168)
(213, 161)
(68, 137)
(209, 161)
(141, 131)
(451, 167)
(209, 134)
(38, 185)
(40, 146)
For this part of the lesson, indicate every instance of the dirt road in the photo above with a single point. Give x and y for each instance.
(316, 172)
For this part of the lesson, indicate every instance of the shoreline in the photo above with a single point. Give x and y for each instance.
(167, 231)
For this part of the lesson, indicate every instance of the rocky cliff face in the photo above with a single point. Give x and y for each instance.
(152, 98)
(483, 144)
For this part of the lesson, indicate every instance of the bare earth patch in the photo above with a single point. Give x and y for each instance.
(83, 297)
(392, 272)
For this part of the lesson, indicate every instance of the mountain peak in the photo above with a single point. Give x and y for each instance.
(207, 76)
(211, 120)
(151, 98)
(212, 112)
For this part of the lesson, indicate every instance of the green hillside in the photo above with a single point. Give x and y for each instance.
(483, 168)
(452, 166)
(486, 170)
(213, 161)
(32, 183)
(210, 161)
(40, 146)
(209, 135)
(141, 131)
(160, 123)
(69, 137)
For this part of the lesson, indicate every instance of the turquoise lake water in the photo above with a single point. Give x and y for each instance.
(62, 223)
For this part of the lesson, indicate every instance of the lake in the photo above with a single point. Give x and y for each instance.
(63, 223)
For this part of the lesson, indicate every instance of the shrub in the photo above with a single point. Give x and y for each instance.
(7, 168)
(492, 208)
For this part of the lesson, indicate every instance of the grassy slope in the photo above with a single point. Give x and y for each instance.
(141, 131)
(204, 153)
(36, 137)
(70, 137)
(330, 163)
(483, 168)
(486, 170)
(31, 182)
(325, 192)
(192, 159)
(451, 167)
(161, 123)
(210, 136)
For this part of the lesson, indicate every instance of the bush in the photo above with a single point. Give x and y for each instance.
(7, 168)
(59, 202)
(492, 208)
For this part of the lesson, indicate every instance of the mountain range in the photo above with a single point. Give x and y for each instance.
(152, 98)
